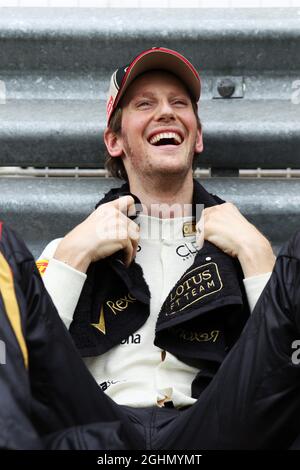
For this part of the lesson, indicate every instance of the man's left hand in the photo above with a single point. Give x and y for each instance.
(224, 226)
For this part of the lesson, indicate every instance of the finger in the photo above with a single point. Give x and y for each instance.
(134, 235)
(133, 230)
(126, 205)
(128, 253)
(200, 231)
(135, 245)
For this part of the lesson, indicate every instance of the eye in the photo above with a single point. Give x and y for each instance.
(143, 104)
(180, 102)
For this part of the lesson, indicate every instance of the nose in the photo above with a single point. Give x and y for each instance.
(165, 111)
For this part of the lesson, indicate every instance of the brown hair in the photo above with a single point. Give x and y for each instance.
(115, 165)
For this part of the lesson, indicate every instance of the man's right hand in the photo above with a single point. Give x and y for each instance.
(103, 233)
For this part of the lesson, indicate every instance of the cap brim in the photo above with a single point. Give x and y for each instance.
(167, 60)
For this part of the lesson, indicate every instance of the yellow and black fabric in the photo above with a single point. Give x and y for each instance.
(10, 303)
(45, 388)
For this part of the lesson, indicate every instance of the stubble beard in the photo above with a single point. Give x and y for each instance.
(150, 171)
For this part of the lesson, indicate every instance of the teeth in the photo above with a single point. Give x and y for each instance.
(165, 135)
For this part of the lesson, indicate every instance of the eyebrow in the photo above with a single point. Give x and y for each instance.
(144, 94)
(150, 94)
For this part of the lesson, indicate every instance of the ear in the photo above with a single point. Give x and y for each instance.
(199, 142)
(113, 143)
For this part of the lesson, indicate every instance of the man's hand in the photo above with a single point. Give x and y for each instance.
(224, 226)
(106, 231)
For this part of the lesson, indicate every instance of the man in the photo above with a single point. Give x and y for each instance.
(152, 136)
(159, 328)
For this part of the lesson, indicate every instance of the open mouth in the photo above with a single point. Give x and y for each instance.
(166, 138)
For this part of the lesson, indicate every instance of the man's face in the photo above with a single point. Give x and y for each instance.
(159, 129)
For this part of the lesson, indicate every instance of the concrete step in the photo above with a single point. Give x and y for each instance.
(45, 208)
(54, 85)
(82, 40)
(68, 133)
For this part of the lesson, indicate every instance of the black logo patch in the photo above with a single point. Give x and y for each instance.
(196, 284)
